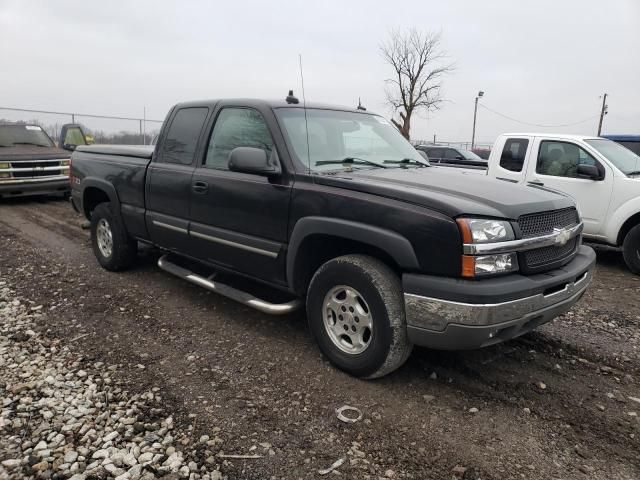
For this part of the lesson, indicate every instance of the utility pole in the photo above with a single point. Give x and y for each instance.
(603, 112)
(475, 113)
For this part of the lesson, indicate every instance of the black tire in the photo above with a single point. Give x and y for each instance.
(380, 287)
(124, 248)
(631, 249)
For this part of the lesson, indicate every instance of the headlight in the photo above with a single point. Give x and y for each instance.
(477, 266)
(478, 230)
(483, 231)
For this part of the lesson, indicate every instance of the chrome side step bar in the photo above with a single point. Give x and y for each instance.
(230, 292)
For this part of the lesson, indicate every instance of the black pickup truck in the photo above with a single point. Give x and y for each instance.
(279, 206)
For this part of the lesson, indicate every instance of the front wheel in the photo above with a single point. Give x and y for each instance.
(631, 249)
(112, 246)
(355, 308)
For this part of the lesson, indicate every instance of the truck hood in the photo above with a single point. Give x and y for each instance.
(31, 152)
(452, 193)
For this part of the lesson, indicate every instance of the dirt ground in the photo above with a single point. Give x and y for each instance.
(554, 404)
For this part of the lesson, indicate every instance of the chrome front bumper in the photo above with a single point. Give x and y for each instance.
(436, 314)
(452, 325)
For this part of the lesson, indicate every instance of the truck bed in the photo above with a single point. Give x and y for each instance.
(138, 151)
(125, 168)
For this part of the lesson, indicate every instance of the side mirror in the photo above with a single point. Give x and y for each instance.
(459, 157)
(253, 160)
(71, 135)
(590, 171)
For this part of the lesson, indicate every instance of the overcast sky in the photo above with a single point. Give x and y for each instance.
(544, 62)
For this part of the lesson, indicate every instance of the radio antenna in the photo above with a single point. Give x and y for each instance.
(304, 107)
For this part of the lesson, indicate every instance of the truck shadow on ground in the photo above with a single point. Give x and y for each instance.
(610, 258)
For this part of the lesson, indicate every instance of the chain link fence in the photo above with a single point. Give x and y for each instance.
(99, 128)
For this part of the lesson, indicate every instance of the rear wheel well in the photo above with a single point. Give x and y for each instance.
(317, 249)
(91, 198)
(631, 222)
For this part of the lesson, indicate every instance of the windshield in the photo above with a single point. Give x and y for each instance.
(338, 135)
(11, 135)
(470, 155)
(623, 158)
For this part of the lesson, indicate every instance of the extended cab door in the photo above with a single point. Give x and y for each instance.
(168, 186)
(239, 220)
(509, 158)
(554, 164)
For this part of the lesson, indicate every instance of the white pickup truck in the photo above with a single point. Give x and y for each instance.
(601, 175)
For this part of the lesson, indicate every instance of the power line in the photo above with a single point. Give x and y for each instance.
(537, 124)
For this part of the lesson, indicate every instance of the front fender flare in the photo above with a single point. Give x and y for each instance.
(397, 246)
(621, 215)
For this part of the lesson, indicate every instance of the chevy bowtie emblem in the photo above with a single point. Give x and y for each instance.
(562, 236)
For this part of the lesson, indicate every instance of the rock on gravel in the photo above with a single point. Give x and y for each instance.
(62, 417)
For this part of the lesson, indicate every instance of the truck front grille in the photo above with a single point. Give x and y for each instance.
(538, 224)
(37, 168)
(546, 255)
(543, 223)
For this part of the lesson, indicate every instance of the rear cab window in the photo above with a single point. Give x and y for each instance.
(513, 154)
(181, 140)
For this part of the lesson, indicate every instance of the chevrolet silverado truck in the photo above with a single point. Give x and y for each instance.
(281, 206)
(601, 175)
(30, 162)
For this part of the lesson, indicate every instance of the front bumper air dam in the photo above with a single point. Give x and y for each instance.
(14, 188)
(452, 314)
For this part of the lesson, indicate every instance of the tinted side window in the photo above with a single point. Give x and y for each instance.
(561, 159)
(236, 127)
(633, 146)
(451, 154)
(180, 143)
(513, 154)
(434, 153)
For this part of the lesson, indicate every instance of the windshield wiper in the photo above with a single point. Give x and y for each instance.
(408, 161)
(350, 161)
(635, 172)
(29, 143)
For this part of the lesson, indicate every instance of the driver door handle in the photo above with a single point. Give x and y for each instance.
(536, 182)
(200, 187)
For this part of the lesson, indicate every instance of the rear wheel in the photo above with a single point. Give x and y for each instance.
(631, 249)
(355, 308)
(112, 246)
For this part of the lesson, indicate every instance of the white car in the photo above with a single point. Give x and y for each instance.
(601, 175)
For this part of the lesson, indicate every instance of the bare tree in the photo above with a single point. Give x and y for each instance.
(419, 65)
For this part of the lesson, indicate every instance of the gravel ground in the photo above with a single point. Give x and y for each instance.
(66, 417)
(560, 403)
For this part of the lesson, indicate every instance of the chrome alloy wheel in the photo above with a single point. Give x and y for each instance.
(104, 238)
(347, 319)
